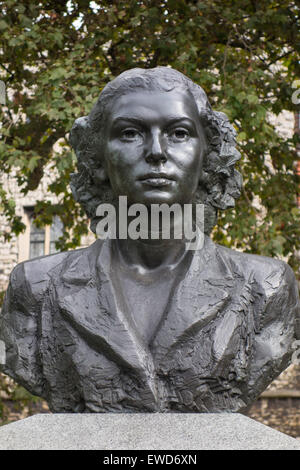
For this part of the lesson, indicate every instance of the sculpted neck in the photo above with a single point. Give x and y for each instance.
(165, 238)
(151, 254)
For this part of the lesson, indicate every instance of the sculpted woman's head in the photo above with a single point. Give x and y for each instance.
(153, 137)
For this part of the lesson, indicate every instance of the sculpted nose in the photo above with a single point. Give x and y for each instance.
(155, 150)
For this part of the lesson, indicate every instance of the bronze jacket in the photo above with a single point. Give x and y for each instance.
(229, 330)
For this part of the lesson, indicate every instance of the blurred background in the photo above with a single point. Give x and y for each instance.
(55, 58)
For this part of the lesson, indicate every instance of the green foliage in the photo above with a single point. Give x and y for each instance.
(14, 399)
(56, 56)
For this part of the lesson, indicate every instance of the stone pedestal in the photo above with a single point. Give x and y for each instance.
(158, 431)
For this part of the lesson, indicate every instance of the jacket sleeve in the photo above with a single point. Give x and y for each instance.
(20, 332)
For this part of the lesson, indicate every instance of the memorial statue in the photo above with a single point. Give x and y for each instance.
(147, 325)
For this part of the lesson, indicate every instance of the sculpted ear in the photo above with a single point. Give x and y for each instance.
(79, 132)
(82, 139)
(220, 178)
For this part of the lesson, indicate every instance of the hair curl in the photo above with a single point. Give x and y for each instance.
(220, 183)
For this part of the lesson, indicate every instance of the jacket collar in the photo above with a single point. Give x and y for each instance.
(86, 297)
(197, 300)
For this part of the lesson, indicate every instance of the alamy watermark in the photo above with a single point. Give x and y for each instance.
(159, 222)
(2, 353)
(2, 93)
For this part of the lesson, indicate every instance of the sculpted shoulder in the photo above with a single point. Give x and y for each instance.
(267, 271)
(33, 275)
(275, 282)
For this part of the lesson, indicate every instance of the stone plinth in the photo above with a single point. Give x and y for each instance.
(120, 431)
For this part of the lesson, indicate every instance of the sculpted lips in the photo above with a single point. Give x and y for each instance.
(156, 179)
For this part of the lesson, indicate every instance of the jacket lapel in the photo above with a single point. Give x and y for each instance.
(86, 299)
(198, 298)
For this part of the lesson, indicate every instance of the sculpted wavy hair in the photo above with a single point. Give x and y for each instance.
(220, 183)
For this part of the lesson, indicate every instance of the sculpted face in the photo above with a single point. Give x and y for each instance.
(154, 146)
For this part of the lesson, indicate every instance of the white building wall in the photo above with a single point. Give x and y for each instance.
(17, 249)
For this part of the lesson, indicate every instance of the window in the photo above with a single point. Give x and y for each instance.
(38, 241)
(56, 231)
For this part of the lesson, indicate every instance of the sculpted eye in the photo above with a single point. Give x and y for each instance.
(180, 134)
(130, 134)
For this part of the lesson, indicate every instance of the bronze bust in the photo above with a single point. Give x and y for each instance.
(146, 325)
